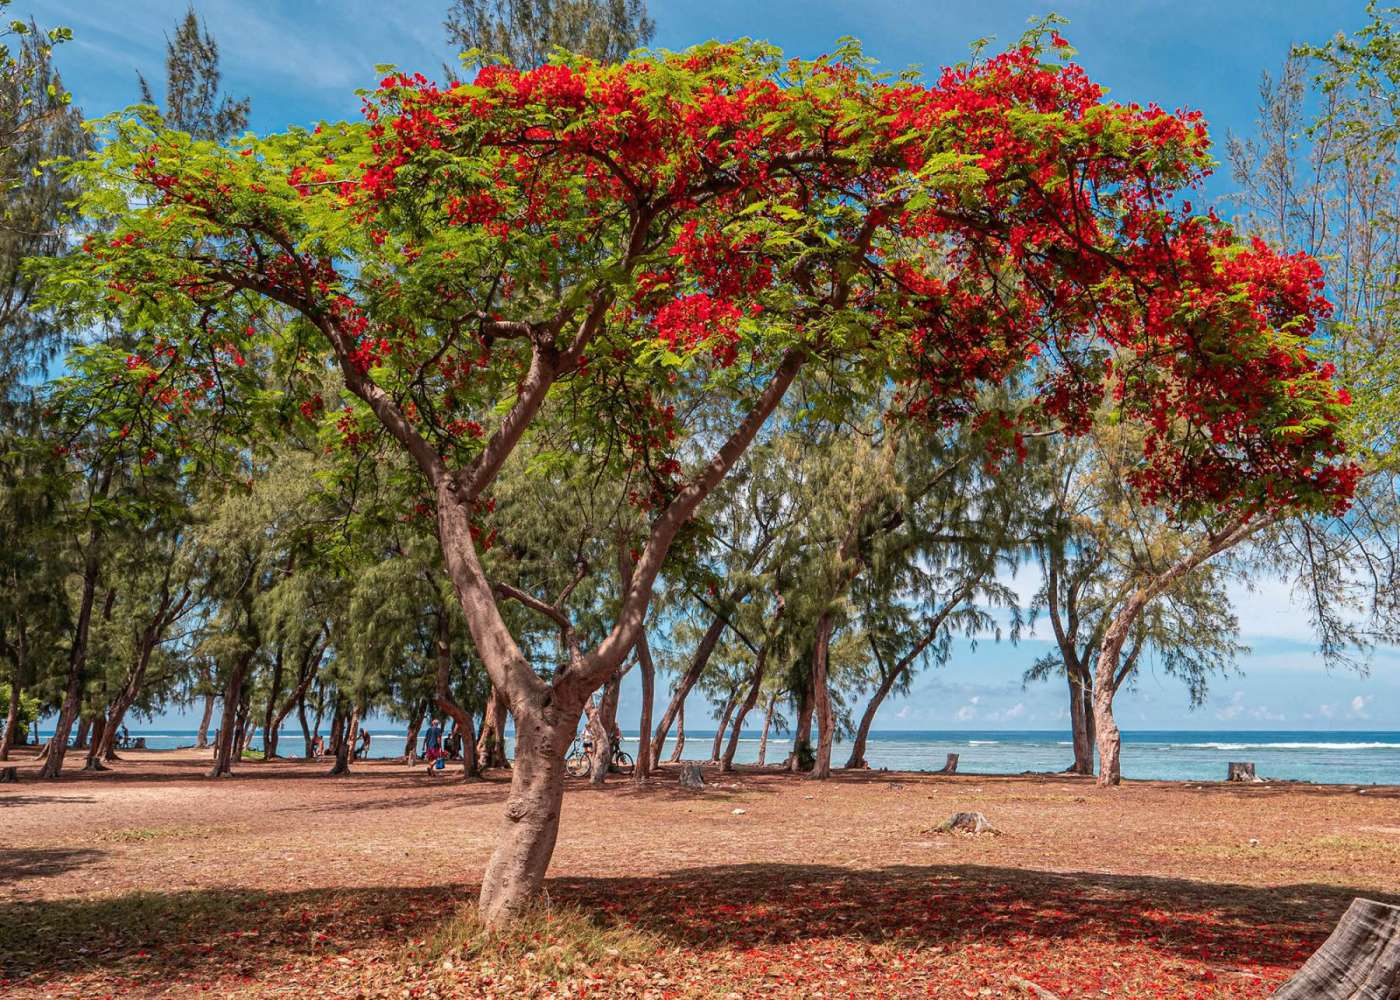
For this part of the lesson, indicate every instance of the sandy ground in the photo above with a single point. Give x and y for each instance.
(153, 881)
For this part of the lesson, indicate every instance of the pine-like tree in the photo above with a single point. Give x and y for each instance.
(192, 77)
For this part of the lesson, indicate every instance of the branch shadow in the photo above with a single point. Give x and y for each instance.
(19, 864)
(722, 911)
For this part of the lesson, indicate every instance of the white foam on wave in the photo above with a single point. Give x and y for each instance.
(983, 743)
(1287, 746)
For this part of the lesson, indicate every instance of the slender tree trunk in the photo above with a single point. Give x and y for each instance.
(750, 699)
(687, 681)
(240, 725)
(730, 700)
(201, 739)
(306, 672)
(491, 746)
(802, 735)
(320, 713)
(1081, 720)
(599, 728)
(93, 762)
(77, 661)
(1105, 687)
(867, 719)
(516, 871)
(767, 725)
(269, 724)
(680, 735)
(643, 767)
(80, 741)
(11, 721)
(821, 693)
(337, 727)
(135, 677)
(305, 729)
(347, 745)
(415, 724)
(233, 698)
(442, 695)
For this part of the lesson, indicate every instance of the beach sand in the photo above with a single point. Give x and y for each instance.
(152, 881)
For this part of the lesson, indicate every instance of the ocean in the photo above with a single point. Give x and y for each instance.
(1179, 755)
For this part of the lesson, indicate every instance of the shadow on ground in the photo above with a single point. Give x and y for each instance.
(198, 936)
(16, 865)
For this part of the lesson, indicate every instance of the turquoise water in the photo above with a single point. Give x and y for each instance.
(1182, 755)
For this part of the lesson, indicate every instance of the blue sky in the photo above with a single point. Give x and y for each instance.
(301, 61)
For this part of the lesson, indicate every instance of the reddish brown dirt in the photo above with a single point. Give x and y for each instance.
(152, 881)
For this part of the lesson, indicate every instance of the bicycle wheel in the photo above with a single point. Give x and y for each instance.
(622, 761)
(577, 765)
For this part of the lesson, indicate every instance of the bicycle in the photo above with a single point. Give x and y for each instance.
(579, 764)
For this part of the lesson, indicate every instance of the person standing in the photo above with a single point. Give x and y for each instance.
(432, 744)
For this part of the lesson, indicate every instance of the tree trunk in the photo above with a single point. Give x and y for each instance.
(821, 695)
(687, 681)
(80, 740)
(305, 729)
(77, 661)
(233, 697)
(1359, 961)
(491, 747)
(347, 745)
(269, 724)
(767, 724)
(306, 672)
(442, 695)
(11, 721)
(135, 677)
(201, 739)
(603, 722)
(802, 735)
(680, 735)
(755, 683)
(729, 702)
(95, 744)
(1105, 687)
(517, 867)
(867, 719)
(337, 727)
(415, 724)
(1081, 721)
(642, 770)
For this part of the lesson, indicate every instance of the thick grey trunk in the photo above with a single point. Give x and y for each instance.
(1359, 961)
(525, 843)
(233, 696)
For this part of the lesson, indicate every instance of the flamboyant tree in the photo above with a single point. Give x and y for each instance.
(612, 242)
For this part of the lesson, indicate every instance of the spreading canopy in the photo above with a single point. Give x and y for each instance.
(622, 241)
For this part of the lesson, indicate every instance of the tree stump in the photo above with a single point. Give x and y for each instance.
(965, 822)
(1242, 770)
(692, 778)
(1360, 961)
(951, 767)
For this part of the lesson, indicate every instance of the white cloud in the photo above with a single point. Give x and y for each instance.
(965, 713)
(1326, 711)
(1015, 711)
(1358, 707)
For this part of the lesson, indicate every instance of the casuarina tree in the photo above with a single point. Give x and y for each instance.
(608, 243)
